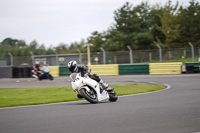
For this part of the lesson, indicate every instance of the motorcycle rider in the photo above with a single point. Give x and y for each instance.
(36, 71)
(45, 71)
(74, 68)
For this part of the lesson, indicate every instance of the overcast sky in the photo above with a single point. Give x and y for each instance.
(51, 22)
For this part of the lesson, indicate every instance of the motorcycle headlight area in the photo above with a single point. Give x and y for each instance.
(73, 76)
(77, 79)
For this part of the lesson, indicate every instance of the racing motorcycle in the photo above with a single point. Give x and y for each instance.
(42, 75)
(45, 75)
(91, 90)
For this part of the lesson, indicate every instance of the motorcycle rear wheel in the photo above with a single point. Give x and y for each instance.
(89, 96)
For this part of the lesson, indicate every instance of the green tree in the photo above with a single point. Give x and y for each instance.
(132, 27)
(13, 42)
(33, 45)
(122, 33)
(61, 48)
(97, 39)
(77, 45)
(169, 27)
(156, 11)
(189, 20)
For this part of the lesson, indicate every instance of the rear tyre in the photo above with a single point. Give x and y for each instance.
(113, 96)
(89, 96)
(40, 78)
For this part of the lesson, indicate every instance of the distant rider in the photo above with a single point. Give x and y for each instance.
(36, 71)
(45, 69)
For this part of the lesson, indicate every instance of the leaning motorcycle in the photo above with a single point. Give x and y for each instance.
(91, 90)
(42, 75)
(45, 75)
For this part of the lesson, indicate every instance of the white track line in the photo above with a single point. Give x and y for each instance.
(168, 87)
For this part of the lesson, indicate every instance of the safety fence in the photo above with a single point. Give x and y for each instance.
(106, 57)
(111, 69)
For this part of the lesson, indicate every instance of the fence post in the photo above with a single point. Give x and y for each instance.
(80, 56)
(160, 52)
(150, 56)
(32, 56)
(184, 53)
(11, 59)
(104, 55)
(170, 55)
(192, 50)
(199, 51)
(56, 58)
(88, 52)
(130, 53)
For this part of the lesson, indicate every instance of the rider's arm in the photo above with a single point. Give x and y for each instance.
(84, 70)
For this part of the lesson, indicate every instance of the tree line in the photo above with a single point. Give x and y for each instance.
(140, 27)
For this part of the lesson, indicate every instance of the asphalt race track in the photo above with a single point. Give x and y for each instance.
(175, 110)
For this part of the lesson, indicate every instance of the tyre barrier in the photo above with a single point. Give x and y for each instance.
(15, 72)
(22, 72)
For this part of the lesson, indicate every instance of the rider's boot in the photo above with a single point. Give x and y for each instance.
(35, 76)
(104, 85)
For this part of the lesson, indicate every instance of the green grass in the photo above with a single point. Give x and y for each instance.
(135, 89)
(33, 96)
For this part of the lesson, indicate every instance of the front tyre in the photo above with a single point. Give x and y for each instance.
(112, 96)
(89, 96)
(50, 77)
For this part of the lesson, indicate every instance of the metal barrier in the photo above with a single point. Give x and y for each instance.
(127, 69)
(54, 71)
(105, 69)
(165, 68)
(64, 71)
(192, 67)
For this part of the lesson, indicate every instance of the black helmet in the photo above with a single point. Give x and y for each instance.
(72, 65)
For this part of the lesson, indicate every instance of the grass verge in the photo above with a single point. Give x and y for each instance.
(33, 96)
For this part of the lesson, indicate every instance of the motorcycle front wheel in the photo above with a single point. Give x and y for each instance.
(50, 77)
(112, 96)
(89, 96)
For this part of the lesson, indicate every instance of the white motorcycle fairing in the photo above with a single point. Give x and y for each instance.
(82, 82)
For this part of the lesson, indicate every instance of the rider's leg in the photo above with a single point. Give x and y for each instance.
(35, 76)
(100, 81)
(104, 85)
